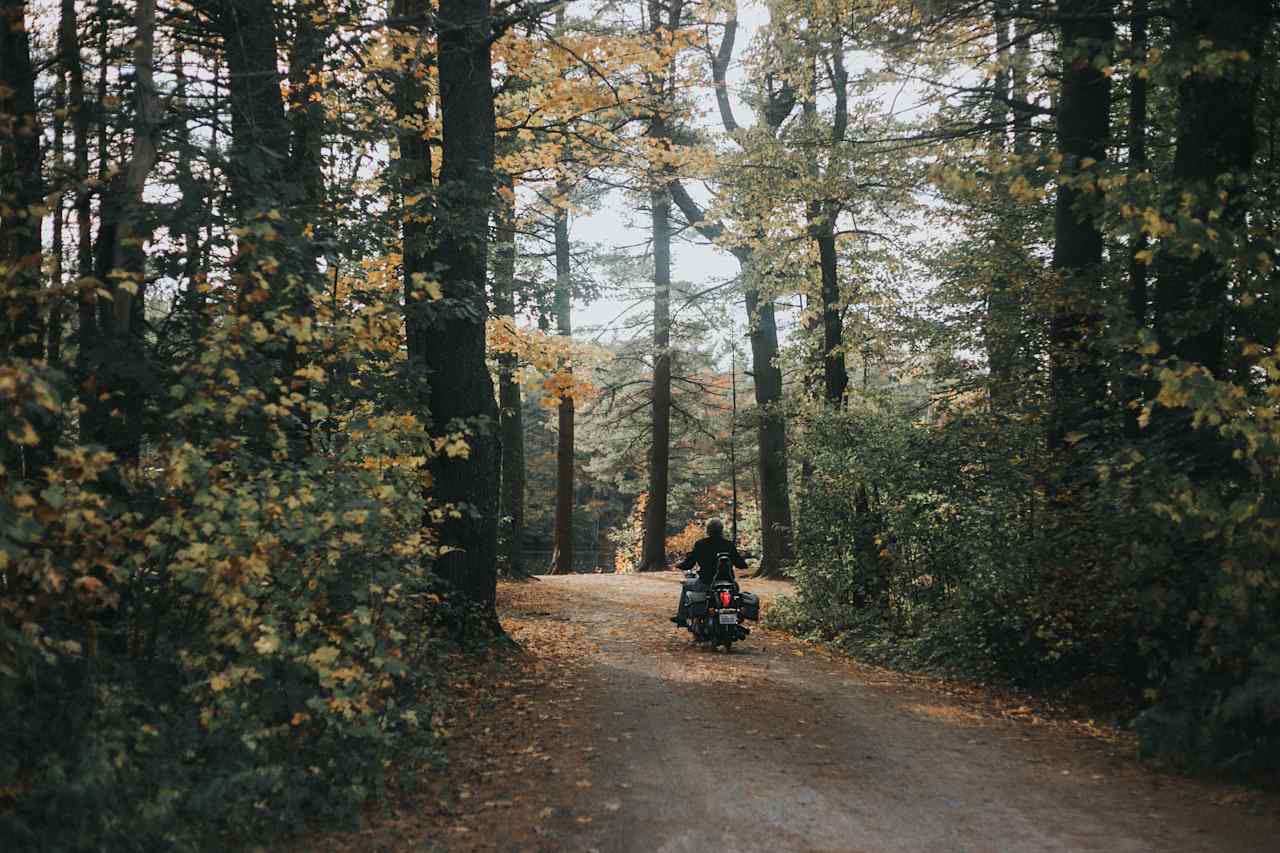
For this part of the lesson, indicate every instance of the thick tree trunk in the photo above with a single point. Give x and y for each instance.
(263, 183)
(562, 560)
(654, 552)
(771, 437)
(1076, 382)
(21, 190)
(1216, 140)
(257, 163)
(509, 402)
(453, 336)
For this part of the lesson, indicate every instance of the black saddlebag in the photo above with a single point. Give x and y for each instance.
(750, 605)
(695, 603)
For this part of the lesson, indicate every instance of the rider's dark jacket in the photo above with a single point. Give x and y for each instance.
(705, 553)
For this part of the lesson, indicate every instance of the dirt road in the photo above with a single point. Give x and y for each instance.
(774, 747)
(623, 736)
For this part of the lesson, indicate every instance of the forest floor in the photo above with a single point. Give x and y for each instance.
(611, 731)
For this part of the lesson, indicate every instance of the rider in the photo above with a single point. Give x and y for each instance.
(705, 555)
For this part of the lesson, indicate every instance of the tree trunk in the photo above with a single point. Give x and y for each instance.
(562, 561)
(1216, 140)
(835, 375)
(306, 113)
(53, 333)
(1137, 143)
(120, 264)
(414, 169)
(653, 555)
(1002, 323)
(1076, 382)
(774, 502)
(306, 129)
(263, 184)
(22, 187)
(21, 194)
(771, 425)
(654, 552)
(509, 402)
(87, 338)
(771, 436)
(193, 212)
(453, 344)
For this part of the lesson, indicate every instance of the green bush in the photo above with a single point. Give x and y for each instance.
(954, 546)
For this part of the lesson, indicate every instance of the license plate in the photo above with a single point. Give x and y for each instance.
(728, 618)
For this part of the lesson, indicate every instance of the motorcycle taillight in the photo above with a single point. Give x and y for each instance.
(724, 598)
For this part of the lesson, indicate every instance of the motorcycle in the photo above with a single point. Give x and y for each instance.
(716, 615)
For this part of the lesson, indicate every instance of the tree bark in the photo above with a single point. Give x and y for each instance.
(1002, 324)
(835, 375)
(654, 551)
(262, 183)
(820, 216)
(87, 337)
(1076, 382)
(509, 402)
(771, 438)
(562, 561)
(414, 169)
(306, 154)
(193, 212)
(53, 332)
(21, 187)
(1216, 141)
(21, 195)
(1137, 143)
(453, 334)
